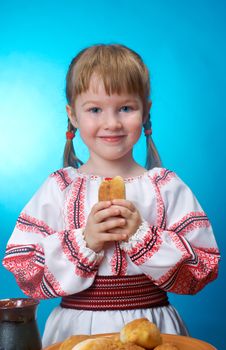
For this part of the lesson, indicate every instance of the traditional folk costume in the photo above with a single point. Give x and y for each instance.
(174, 250)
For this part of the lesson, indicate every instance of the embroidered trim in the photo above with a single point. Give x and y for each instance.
(62, 178)
(118, 261)
(27, 265)
(27, 223)
(117, 293)
(160, 207)
(190, 222)
(137, 237)
(143, 244)
(85, 260)
(195, 269)
(50, 287)
(164, 177)
(74, 206)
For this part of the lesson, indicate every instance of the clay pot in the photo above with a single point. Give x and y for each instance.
(18, 327)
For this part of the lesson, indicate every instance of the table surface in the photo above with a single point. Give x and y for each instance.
(182, 342)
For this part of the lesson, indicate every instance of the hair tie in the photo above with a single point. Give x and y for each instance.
(70, 135)
(147, 126)
(148, 132)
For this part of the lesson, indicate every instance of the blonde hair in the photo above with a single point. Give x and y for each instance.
(121, 70)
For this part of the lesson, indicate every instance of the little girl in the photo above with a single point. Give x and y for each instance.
(111, 261)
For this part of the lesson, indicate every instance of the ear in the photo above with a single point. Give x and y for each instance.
(71, 116)
(146, 116)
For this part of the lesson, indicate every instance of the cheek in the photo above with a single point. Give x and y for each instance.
(86, 126)
(136, 128)
(87, 132)
(137, 133)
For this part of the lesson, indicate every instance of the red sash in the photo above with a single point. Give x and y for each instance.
(117, 293)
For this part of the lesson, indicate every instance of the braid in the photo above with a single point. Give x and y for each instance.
(152, 159)
(70, 158)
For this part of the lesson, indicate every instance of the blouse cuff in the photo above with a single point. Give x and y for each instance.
(136, 238)
(88, 253)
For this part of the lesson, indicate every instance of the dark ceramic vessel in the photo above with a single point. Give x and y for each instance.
(18, 327)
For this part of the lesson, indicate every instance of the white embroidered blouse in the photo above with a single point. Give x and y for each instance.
(175, 246)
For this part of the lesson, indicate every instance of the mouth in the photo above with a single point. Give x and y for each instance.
(112, 139)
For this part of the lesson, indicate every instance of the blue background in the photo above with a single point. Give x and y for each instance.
(183, 43)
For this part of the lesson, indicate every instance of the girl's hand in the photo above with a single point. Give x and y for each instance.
(102, 219)
(129, 212)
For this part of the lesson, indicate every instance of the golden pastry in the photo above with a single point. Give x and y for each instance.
(141, 332)
(70, 342)
(112, 189)
(166, 346)
(105, 343)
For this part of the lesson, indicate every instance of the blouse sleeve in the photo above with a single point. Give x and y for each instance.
(47, 260)
(180, 253)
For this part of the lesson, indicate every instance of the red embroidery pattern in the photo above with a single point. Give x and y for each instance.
(83, 266)
(144, 250)
(159, 180)
(161, 215)
(27, 272)
(132, 178)
(190, 222)
(195, 269)
(28, 223)
(50, 286)
(169, 278)
(117, 293)
(14, 251)
(191, 279)
(164, 177)
(75, 218)
(34, 279)
(94, 177)
(75, 210)
(118, 261)
(62, 178)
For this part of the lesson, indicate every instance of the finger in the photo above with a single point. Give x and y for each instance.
(124, 203)
(100, 206)
(111, 224)
(123, 211)
(116, 237)
(119, 231)
(107, 213)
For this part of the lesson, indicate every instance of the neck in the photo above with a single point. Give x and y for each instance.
(125, 167)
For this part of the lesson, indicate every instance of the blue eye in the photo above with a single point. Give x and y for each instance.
(126, 109)
(95, 110)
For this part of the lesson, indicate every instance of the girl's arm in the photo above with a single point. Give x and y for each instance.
(47, 260)
(179, 253)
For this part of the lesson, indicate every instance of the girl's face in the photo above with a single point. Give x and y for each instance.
(109, 124)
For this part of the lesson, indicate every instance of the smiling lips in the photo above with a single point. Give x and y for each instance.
(112, 138)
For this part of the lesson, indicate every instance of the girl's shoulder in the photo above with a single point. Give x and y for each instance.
(65, 172)
(155, 175)
(160, 173)
(64, 177)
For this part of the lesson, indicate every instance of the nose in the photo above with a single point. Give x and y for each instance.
(112, 121)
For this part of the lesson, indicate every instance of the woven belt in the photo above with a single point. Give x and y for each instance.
(117, 293)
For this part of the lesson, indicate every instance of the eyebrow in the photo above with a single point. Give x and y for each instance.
(120, 102)
(89, 102)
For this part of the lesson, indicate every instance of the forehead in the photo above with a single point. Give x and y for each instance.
(97, 86)
(97, 92)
